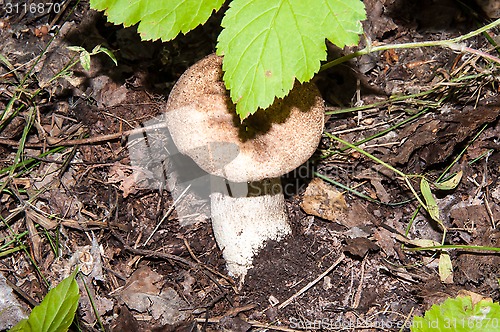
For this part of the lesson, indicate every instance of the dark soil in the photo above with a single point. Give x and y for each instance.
(78, 190)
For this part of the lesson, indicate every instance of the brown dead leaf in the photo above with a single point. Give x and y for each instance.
(475, 297)
(379, 23)
(434, 140)
(359, 215)
(24, 182)
(89, 259)
(384, 239)
(40, 219)
(109, 93)
(129, 178)
(35, 239)
(359, 246)
(144, 293)
(323, 200)
(143, 280)
(124, 321)
(375, 175)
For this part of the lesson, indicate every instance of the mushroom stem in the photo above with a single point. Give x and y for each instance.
(244, 217)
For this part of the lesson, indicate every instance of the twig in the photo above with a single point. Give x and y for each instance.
(357, 296)
(363, 128)
(190, 250)
(21, 293)
(162, 255)
(166, 215)
(87, 141)
(215, 272)
(61, 11)
(490, 213)
(170, 257)
(230, 313)
(312, 283)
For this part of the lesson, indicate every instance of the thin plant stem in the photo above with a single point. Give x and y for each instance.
(357, 193)
(455, 246)
(30, 119)
(377, 160)
(450, 43)
(445, 172)
(92, 302)
(406, 177)
(342, 186)
(392, 99)
(385, 131)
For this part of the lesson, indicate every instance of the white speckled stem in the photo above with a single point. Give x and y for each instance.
(243, 224)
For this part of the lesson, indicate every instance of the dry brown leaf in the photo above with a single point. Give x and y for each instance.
(127, 177)
(323, 200)
(144, 293)
(384, 239)
(476, 298)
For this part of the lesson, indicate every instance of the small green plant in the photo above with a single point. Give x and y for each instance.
(85, 55)
(266, 44)
(460, 314)
(57, 310)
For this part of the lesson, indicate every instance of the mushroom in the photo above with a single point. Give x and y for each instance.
(245, 157)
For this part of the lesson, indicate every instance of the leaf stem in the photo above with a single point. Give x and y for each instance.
(455, 246)
(450, 43)
(377, 160)
(406, 177)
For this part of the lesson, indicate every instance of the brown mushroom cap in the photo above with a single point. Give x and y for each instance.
(203, 123)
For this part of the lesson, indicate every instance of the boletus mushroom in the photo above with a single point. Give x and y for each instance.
(247, 157)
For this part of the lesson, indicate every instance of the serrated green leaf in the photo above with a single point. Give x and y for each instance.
(57, 310)
(432, 207)
(161, 19)
(459, 315)
(445, 268)
(451, 183)
(342, 21)
(268, 44)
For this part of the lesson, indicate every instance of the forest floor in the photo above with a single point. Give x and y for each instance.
(71, 194)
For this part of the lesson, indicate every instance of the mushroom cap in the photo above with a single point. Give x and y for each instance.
(204, 126)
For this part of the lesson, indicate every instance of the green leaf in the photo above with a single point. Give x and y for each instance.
(75, 48)
(451, 183)
(160, 19)
(268, 44)
(85, 60)
(96, 49)
(22, 326)
(432, 206)
(109, 54)
(85, 55)
(57, 310)
(461, 315)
